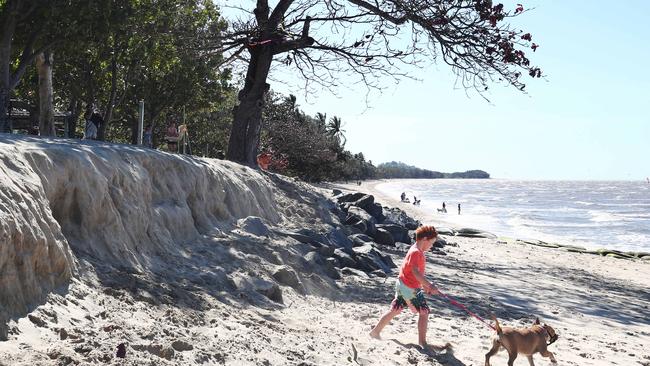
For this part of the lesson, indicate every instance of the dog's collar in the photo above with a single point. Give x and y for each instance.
(552, 338)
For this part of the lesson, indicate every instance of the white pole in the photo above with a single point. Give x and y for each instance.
(141, 122)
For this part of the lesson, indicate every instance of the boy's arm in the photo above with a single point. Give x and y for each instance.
(426, 285)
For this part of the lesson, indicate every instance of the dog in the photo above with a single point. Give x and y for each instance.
(525, 341)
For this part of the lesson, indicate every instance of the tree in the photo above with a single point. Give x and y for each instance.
(335, 129)
(369, 39)
(17, 21)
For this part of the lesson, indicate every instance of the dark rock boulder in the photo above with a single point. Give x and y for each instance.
(399, 217)
(253, 225)
(344, 259)
(350, 197)
(474, 233)
(369, 259)
(365, 202)
(285, 275)
(383, 237)
(353, 272)
(399, 233)
(338, 237)
(375, 210)
(359, 239)
(356, 214)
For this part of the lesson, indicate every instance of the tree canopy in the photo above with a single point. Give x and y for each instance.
(324, 40)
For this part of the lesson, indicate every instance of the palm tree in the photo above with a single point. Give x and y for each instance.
(321, 121)
(335, 129)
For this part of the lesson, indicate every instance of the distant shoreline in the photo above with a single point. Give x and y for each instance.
(370, 187)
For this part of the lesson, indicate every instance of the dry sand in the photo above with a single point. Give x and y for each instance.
(193, 302)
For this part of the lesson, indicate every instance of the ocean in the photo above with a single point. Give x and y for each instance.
(592, 214)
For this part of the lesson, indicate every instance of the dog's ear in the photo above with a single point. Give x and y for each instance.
(536, 321)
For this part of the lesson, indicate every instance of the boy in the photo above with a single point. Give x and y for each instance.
(411, 285)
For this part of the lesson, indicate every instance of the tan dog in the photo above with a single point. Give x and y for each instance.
(525, 341)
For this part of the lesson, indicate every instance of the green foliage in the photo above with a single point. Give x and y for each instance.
(309, 147)
(395, 169)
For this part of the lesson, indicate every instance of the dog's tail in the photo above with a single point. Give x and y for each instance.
(497, 327)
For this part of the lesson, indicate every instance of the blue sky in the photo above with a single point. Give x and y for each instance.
(589, 119)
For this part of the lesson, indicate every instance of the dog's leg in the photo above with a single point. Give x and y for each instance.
(530, 360)
(548, 354)
(511, 358)
(492, 352)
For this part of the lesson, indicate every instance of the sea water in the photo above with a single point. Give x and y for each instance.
(592, 214)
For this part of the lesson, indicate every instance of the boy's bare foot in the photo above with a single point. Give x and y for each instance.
(374, 335)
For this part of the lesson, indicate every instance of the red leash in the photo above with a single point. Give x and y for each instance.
(456, 303)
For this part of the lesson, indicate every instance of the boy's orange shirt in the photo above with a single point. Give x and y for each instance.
(414, 258)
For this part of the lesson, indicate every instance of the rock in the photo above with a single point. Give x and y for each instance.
(330, 269)
(326, 251)
(270, 290)
(300, 237)
(121, 350)
(356, 214)
(63, 334)
(439, 243)
(383, 237)
(445, 231)
(285, 275)
(314, 236)
(344, 259)
(37, 321)
(156, 350)
(314, 259)
(353, 272)
(350, 197)
(333, 261)
(359, 239)
(365, 202)
(336, 192)
(399, 233)
(375, 210)
(399, 217)
(253, 225)
(474, 233)
(182, 346)
(369, 259)
(267, 288)
(378, 273)
(337, 237)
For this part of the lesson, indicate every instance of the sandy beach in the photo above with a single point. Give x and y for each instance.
(598, 305)
(207, 278)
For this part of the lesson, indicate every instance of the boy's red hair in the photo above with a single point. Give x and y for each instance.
(425, 232)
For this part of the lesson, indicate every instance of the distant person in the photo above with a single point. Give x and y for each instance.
(147, 137)
(444, 207)
(411, 285)
(403, 196)
(171, 136)
(459, 208)
(90, 128)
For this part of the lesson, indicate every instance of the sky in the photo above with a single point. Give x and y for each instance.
(588, 119)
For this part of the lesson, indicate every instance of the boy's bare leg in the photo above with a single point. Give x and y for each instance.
(423, 320)
(385, 319)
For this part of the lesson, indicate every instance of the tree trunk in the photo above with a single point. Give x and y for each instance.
(110, 105)
(247, 116)
(75, 111)
(8, 19)
(5, 123)
(45, 94)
